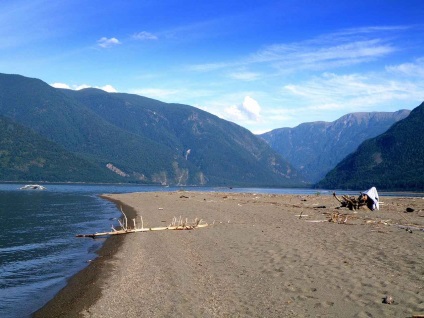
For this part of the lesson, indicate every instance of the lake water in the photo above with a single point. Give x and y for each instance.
(38, 248)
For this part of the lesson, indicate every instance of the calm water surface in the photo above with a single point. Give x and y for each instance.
(38, 248)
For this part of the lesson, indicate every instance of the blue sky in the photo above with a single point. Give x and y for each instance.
(261, 64)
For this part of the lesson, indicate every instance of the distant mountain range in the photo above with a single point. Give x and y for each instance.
(89, 135)
(393, 160)
(317, 147)
(59, 135)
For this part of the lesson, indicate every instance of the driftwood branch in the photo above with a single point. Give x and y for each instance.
(176, 224)
(334, 195)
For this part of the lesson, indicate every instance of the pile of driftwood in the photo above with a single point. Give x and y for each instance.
(351, 202)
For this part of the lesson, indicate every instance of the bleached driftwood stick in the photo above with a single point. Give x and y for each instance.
(180, 225)
(125, 217)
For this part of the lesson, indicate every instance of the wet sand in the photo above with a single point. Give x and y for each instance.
(84, 288)
(257, 258)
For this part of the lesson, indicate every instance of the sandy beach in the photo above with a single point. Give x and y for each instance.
(260, 256)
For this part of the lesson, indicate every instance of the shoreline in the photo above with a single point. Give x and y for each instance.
(262, 255)
(84, 288)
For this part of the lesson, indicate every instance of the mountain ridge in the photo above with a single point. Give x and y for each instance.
(144, 140)
(314, 148)
(184, 128)
(393, 160)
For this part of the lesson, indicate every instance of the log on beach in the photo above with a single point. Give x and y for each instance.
(257, 258)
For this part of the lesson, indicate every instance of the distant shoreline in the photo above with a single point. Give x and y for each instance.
(223, 188)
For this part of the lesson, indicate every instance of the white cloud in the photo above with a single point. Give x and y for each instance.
(106, 43)
(145, 36)
(60, 85)
(329, 96)
(107, 88)
(249, 110)
(82, 86)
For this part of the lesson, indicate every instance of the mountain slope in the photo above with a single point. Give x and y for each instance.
(52, 114)
(391, 161)
(24, 155)
(315, 148)
(217, 151)
(144, 140)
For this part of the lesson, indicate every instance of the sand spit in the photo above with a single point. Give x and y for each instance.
(261, 256)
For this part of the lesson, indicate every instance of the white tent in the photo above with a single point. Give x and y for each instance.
(373, 195)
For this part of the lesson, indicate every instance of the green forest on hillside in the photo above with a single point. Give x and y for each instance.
(391, 161)
(143, 139)
(24, 156)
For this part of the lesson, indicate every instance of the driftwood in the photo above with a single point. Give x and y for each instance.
(338, 218)
(176, 224)
(350, 202)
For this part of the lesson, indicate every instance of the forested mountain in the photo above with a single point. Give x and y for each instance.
(391, 161)
(215, 149)
(315, 148)
(25, 155)
(141, 139)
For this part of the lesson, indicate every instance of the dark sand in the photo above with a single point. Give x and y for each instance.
(84, 288)
(259, 259)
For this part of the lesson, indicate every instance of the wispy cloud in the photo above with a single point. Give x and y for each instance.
(320, 57)
(107, 88)
(327, 96)
(175, 94)
(320, 85)
(328, 51)
(411, 69)
(354, 91)
(107, 42)
(158, 93)
(25, 22)
(244, 76)
(207, 67)
(143, 36)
